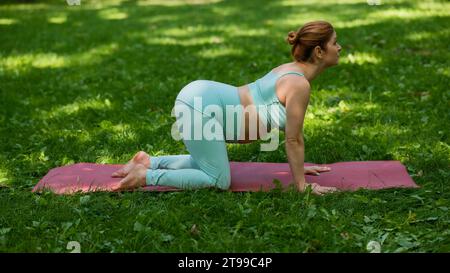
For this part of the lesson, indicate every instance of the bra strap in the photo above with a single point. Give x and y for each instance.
(292, 72)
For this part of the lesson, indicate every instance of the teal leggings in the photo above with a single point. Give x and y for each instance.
(207, 163)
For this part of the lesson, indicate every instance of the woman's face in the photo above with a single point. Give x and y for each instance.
(331, 56)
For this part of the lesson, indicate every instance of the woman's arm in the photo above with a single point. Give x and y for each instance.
(295, 153)
(297, 99)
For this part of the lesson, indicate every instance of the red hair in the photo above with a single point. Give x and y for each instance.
(304, 40)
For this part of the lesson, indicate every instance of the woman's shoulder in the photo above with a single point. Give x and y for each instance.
(286, 67)
(289, 79)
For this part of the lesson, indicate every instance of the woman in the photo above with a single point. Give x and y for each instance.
(285, 88)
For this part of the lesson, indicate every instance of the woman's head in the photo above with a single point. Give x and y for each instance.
(315, 42)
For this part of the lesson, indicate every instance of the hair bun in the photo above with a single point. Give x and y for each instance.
(292, 38)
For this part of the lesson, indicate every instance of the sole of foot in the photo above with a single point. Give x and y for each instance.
(140, 157)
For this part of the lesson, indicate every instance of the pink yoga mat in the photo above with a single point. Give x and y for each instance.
(245, 176)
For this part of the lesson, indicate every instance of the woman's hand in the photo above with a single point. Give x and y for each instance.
(321, 190)
(318, 189)
(316, 170)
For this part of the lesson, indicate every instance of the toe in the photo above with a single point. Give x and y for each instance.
(117, 174)
(123, 183)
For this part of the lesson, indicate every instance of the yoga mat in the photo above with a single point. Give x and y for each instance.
(245, 176)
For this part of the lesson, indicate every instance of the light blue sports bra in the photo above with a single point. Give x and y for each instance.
(263, 93)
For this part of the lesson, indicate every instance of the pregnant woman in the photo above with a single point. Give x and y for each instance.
(285, 90)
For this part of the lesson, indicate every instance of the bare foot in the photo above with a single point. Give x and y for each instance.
(140, 157)
(136, 178)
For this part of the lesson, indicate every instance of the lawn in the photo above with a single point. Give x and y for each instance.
(97, 83)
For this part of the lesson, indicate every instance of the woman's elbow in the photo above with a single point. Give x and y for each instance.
(294, 140)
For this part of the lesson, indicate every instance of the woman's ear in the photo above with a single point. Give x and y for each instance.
(318, 52)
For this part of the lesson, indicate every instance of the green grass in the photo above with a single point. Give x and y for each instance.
(97, 82)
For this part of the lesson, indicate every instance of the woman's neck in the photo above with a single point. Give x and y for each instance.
(311, 70)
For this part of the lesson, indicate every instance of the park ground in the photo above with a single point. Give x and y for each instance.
(97, 82)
